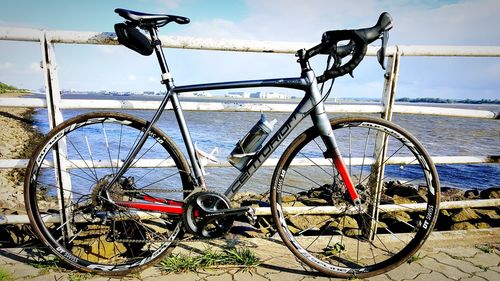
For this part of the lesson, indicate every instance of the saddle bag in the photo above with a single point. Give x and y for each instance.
(132, 38)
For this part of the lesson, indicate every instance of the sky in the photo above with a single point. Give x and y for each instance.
(115, 68)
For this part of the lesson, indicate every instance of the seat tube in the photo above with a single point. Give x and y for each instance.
(322, 123)
(188, 142)
(166, 78)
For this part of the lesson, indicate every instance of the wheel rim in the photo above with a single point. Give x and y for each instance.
(96, 232)
(340, 244)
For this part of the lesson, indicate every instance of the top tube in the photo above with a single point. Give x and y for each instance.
(298, 83)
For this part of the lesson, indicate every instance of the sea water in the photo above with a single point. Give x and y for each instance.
(440, 135)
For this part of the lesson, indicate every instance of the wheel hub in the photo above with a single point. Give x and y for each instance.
(102, 197)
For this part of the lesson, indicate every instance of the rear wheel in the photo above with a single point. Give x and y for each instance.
(90, 227)
(316, 218)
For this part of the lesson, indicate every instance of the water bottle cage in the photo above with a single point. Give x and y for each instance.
(242, 151)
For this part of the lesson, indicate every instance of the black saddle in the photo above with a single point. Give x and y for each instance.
(144, 19)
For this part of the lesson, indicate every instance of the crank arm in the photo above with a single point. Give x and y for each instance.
(227, 213)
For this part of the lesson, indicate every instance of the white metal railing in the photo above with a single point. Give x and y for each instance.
(54, 103)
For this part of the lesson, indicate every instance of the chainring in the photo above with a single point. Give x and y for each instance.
(200, 217)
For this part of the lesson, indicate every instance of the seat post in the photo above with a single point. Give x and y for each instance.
(166, 77)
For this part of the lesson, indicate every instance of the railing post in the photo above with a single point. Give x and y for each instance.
(390, 86)
(53, 96)
(376, 180)
(52, 89)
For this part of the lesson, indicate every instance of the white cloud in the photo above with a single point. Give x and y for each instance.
(19, 24)
(6, 66)
(132, 77)
(465, 22)
(219, 28)
(107, 50)
(170, 4)
(419, 22)
(34, 67)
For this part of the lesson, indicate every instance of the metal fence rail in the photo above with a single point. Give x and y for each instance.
(54, 103)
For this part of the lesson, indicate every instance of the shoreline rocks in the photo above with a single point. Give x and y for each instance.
(453, 219)
(18, 139)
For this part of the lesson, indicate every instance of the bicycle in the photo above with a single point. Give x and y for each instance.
(110, 193)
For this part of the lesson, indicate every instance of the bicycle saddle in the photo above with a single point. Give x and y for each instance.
(143, 18)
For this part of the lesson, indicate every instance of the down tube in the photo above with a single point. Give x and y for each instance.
(298, 115)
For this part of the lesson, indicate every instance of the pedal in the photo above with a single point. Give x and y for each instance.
(250, 214)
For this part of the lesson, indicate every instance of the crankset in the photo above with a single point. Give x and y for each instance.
(209, 214)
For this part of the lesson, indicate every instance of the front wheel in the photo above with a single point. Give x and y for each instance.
(397, 183)
(100, 229)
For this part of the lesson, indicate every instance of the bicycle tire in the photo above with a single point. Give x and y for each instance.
(355, 241)
(87, 229)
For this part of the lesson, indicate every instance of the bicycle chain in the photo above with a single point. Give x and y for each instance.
(175, 241)
(159, 190)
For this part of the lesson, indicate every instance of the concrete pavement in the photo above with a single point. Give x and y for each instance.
(453, 255)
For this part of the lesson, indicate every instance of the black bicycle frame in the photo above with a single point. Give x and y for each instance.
(312, 104)
(311, 100)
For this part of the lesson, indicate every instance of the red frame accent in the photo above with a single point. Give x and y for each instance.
(162, 200)
(170, 207)
(339, 164)
(173, 207)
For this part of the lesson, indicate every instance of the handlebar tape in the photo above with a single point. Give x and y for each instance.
(331, 38)
(359, 40)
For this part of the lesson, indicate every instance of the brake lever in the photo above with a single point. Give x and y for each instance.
(381, 51)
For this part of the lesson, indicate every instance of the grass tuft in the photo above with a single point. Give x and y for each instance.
(486, 248)
(48, 264)
(77, 276)
(5, 275)
(414, 258)
(179, 263)
(210, 258)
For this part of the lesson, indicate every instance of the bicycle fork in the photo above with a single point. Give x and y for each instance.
(322, 123)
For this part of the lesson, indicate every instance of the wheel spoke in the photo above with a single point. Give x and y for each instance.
(107, 148)
(353, 237)
(88, 222)
(364, 156)
(84, 161)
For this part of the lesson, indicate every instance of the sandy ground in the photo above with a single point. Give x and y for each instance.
(18, 139)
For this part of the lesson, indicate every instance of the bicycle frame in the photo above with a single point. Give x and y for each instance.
(308, 103)
(311, 104)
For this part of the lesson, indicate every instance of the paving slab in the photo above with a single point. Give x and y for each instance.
(450, 271)
(408, 271)
(456, 255)
(488, 275)
(433, 276)
(485, 259)
(459, 263)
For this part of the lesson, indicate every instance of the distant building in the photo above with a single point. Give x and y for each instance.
(237, 95)
(197, 94)
(187, 94)
(269, 95)
(203, 94)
